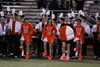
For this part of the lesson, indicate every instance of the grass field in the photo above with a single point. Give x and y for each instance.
(38, 62)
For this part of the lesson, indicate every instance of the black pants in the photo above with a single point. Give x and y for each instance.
(3, 44)
(39, 46)
(59, 47)
(84, 46)
(96, 45)
(14, 45)
(72, 53)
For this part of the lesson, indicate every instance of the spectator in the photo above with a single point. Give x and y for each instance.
(42, 4)
(54, 5)
(65, 5)
(79, 4)
(94, 9)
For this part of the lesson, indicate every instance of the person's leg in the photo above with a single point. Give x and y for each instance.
(59, 47)
(63, 47)
(17, 44)
(77, 45)
(84, 47)
(39, 46)
(4, 48)
(54, 50)
(45, 47)
(27, 48)
(50, 50)
(77, 48)
(80, 49)
(11, 49)
(68, 50)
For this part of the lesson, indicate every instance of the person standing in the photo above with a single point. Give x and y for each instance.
(3, 31)
(26, 29)
(48, 36)
(15, 30)
(78, 38)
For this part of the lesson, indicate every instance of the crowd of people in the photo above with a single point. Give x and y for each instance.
(64, 5)
(65, 37)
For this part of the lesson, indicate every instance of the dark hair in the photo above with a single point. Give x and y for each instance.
(25, 19)
(48, 21)
(79, 20)
(96, 2)
(84, 17)
(98, 18)
(40, 19)
(71, 18)
(55, 20)
(22, 16)
(62, 19)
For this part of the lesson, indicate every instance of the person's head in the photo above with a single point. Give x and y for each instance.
(54, 21)
(2, 21)
(98, 20)
(25, 20)
(66, 18)
(95, 2)
(78, 21)
(72, 20)
(49, 21)
(14, 17)
(62, 20)
(84, 19)
(44, 20)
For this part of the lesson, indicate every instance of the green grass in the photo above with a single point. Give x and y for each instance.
(38, 62)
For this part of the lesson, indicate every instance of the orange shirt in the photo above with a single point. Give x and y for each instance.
(79, 31)
(26, 30)
(62, 35)
(49, 31)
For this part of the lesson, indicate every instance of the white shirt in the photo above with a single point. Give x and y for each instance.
(17, 27)
(39, 26)
(86, 27)
(94, 28)
(5, 29)
(58, 27)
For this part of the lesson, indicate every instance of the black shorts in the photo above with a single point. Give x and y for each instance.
(69, 42)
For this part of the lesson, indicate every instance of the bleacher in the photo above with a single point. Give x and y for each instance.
(31, 11)
(29, 8)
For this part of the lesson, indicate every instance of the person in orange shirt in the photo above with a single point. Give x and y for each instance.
(48, 35)
(26, 29)
(78, 38)
(66, 36)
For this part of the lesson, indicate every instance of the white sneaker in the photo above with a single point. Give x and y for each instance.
(76, 54)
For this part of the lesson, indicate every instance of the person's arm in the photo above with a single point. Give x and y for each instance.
(32, 30)
(55, 30)
(43, 32)
(21, 28)
(83, 30)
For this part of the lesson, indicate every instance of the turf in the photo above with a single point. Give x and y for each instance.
(38, 62)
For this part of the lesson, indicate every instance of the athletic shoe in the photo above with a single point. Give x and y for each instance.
(16, 57)
(50, 57)
(76, 54)
(62, 57)
(67, 59)
(44, 54)
(27, 56)
(80, 57)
